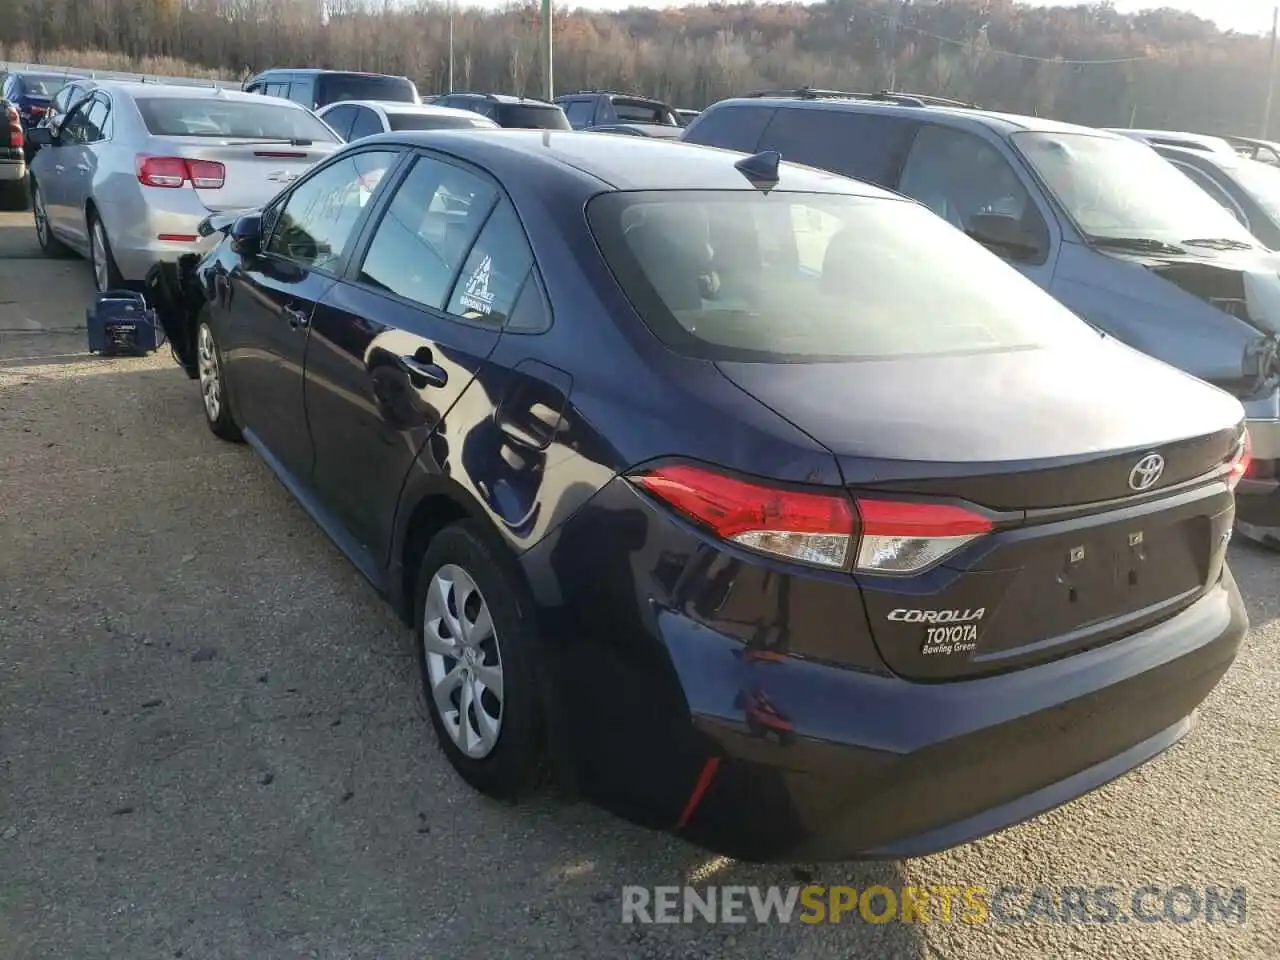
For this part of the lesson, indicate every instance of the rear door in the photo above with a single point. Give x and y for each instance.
(309, 235)
(394, 347)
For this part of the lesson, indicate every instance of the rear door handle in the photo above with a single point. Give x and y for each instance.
(432, 373)
(58, 168)
(82, 167)
(297, 318)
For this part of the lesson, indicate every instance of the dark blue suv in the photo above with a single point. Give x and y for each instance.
(761, 503)
(1098, 220)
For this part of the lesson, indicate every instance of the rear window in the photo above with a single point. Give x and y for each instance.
(211, 117)
(640, 112)
(532, 117)
(794, 277)
(351, 86)
(423, 121)
(42, 86)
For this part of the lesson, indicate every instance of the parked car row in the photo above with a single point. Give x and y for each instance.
(756, 493)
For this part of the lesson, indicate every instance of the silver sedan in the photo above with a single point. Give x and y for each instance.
(133, 169)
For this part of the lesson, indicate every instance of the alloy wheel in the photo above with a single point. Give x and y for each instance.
(464, 662)
(210, 381)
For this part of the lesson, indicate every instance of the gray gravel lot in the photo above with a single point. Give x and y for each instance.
(212, 743)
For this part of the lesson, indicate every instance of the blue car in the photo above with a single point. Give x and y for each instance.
(756, 503)
(31, 93)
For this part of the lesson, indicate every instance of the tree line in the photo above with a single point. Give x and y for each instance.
(1088, 63)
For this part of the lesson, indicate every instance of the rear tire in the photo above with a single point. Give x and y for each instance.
(50, 245)
(106, 276)
(477, 654)
(213, 393)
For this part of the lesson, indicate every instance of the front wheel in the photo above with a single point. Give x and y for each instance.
(217, 412)
(477, 654)
(49, 244)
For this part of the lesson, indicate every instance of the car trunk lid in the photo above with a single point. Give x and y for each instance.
(1079, 543)
(254, 171)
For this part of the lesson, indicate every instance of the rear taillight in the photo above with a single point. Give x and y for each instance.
(177, 171)
(899, 537)
(887, 537)
(1241, 462)
(17, 136)
(816, 528)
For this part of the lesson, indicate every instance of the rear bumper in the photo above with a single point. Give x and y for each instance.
(136, 221)
(751, 748)
(880, 767)
(12, 168)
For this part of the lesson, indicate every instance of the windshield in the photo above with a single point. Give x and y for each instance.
(335, 87)
(38, 85)
(795, 277)
(212, 117)
(532, 117)
(428, 121)
(1117, 188)
(1262, 182)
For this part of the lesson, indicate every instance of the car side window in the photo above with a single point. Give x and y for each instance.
(730, 128)
(340, 119)
(866, 146)
(958, 176)
(366, 124)
(278, 89)
(76, 127)
(495, 271)
(419, 245)
(303, 91)
(98, 120)
(317, 222)
(1211, 187)
(580, 113)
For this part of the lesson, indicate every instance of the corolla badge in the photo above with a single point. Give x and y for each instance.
(1146, 472)
(283, 176)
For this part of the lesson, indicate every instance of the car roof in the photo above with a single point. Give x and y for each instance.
(1003, 123)
(141, 90)
(1204, 139)
(319, 70)
(1225, 161)
(403, 106)
(623, 163)
(504, 98)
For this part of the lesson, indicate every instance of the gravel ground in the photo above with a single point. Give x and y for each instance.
(212, 745)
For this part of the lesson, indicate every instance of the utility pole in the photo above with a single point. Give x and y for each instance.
(451, 46)
(1271, 73)
(548, 85)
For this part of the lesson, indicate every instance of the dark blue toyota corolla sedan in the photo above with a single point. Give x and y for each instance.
(761, 504)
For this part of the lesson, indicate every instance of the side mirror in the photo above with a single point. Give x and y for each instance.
(1006, 236)
(246, 235)
(41, 137)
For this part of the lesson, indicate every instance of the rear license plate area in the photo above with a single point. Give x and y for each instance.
(1098, 575)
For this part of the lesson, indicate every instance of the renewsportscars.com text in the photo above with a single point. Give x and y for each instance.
(974, 904)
